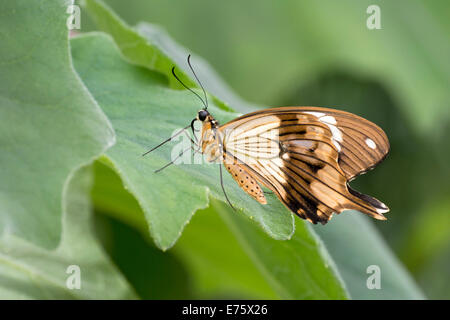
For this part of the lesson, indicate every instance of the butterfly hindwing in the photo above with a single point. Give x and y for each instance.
(244, 179)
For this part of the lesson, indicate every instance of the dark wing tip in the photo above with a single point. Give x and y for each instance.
(378, 207)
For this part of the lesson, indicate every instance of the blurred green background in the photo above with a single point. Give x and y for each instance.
(277, 53)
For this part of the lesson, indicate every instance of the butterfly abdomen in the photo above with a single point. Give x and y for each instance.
(246, 182)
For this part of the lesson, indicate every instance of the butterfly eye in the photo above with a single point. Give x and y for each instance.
(202, 114)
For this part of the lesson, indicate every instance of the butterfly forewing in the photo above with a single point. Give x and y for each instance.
(306, 155)
(363, 144)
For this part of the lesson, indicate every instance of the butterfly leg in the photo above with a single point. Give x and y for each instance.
(193, 143)
(173, 161)
(223, 188)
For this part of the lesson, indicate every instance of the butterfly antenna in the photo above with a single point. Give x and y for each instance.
(198, 96)
(165, 141)
(198, 80)
(223, 189)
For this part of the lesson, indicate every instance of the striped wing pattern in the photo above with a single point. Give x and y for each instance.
(363, 143)
(306, 156)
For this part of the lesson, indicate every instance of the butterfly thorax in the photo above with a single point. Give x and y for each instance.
(211, 141)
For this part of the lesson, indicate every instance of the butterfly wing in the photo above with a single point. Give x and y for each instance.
(363, 144)
(307, 155)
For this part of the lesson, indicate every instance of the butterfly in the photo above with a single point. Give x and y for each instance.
(306, 156)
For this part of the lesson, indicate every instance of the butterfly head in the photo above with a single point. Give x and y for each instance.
(202, 115)
(206, 118)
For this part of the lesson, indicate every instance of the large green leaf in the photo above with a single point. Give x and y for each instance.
(30, 272)
(144, 112)
(224, 255)
(49, 123)
(218, 262)
(299, 268)
(109, 196)
(124, 233)
(154, 274)
(212, 260)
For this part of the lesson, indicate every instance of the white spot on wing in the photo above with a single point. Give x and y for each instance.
(331, 122)
(337, 145)
(337, 134)
(370, 143)
(328, 119)
(316, 114)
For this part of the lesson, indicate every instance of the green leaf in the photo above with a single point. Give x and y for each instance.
(30, 272)
(110, 196)
(134, 47)
(145, 112)
(299, 268)
(49, 123)
(154, 274)
(216, 260)
(228, 256)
